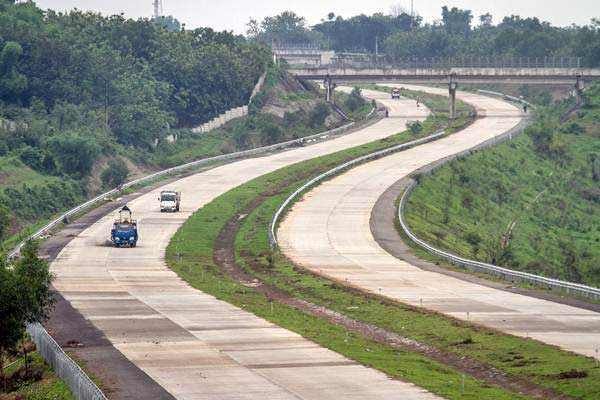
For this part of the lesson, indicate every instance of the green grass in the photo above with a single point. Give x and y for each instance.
(50, 387)
(190, 254)
(466, 206)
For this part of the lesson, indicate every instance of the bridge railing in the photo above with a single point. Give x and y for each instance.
(371, 61)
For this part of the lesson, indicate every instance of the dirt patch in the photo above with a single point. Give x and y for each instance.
(224, 257)
(573, 374)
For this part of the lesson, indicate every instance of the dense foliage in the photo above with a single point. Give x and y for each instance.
(25, 297)
(401, 35)
(531, 204)
(80, 88)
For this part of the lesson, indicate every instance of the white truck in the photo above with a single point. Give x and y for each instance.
(396, 93)
(169, 200)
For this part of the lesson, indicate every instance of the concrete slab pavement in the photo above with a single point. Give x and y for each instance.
(328, 232)
(192, 344)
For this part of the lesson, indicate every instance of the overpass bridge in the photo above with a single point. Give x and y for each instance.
(542, 71)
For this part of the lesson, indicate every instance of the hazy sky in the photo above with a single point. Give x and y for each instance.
(234, 14)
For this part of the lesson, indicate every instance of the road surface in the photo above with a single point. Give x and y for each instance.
(192, 344)
(328, 232)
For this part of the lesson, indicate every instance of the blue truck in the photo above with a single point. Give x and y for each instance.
(124, 231)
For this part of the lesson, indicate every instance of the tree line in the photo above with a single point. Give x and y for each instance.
(456, 34)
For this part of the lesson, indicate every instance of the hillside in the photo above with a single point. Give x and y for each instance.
(531, 204)
(90, 101)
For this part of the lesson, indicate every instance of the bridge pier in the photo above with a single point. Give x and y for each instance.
(579, 86)
(452, 91)
(329, 88)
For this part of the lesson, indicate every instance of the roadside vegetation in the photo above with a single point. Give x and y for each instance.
(88, 102)
(192, 254)
(458, 34)
(25, 298)
(531, 204)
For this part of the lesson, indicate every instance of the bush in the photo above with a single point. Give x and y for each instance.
(318, 115)
(4, 222)
(115, 174)
(355, 100)
(415, 127)
(75, 153)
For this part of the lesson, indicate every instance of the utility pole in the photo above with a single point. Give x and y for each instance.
(158, 8)
(376, 45)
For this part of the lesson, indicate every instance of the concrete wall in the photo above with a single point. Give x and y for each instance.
(231, 114)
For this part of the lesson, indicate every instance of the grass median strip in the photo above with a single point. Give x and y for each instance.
(191, 255)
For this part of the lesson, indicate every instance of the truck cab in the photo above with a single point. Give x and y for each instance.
(396, 93)
(169, 200)
(124, 231)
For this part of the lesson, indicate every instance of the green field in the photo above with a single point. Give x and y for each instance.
(531, 204)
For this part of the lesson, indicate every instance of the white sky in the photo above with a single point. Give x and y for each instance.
(234, 14)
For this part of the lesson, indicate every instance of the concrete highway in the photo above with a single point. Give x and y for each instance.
(192, 344)
(328, 232)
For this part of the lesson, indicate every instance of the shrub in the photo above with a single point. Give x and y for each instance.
(415, 127)
(318, 115)
(355, 100)
(115, 174)
(75, 153)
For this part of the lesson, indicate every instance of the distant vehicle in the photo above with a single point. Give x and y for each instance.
(396, 93)
(124, 231)
(169, 200)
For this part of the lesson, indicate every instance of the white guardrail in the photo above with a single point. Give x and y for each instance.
(337, 170)
(504, 273)
(82, 387)
(176, 170)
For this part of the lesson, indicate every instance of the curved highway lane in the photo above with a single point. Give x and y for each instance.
(192, 344)
(328, 232)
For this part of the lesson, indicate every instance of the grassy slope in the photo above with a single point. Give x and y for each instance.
(42, 196)
(557, 235)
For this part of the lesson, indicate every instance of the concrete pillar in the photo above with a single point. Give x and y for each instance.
(579, 86)
(329, 87)
(452, 91)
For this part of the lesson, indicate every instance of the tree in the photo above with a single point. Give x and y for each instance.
(169, 23)
(75, 152)
(4, 222)
(115, 173)
(415, 127)
(12, 83)
(355, 100)
(457, 21)
(285, 28)
(318, 115)
(25, 297)
(486, 20)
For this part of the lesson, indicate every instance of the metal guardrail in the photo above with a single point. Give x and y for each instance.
(507, 97)
(174, 170)
(337, 170)
(504, 273)
(82, 387)
(477, 266)
(79, 382)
